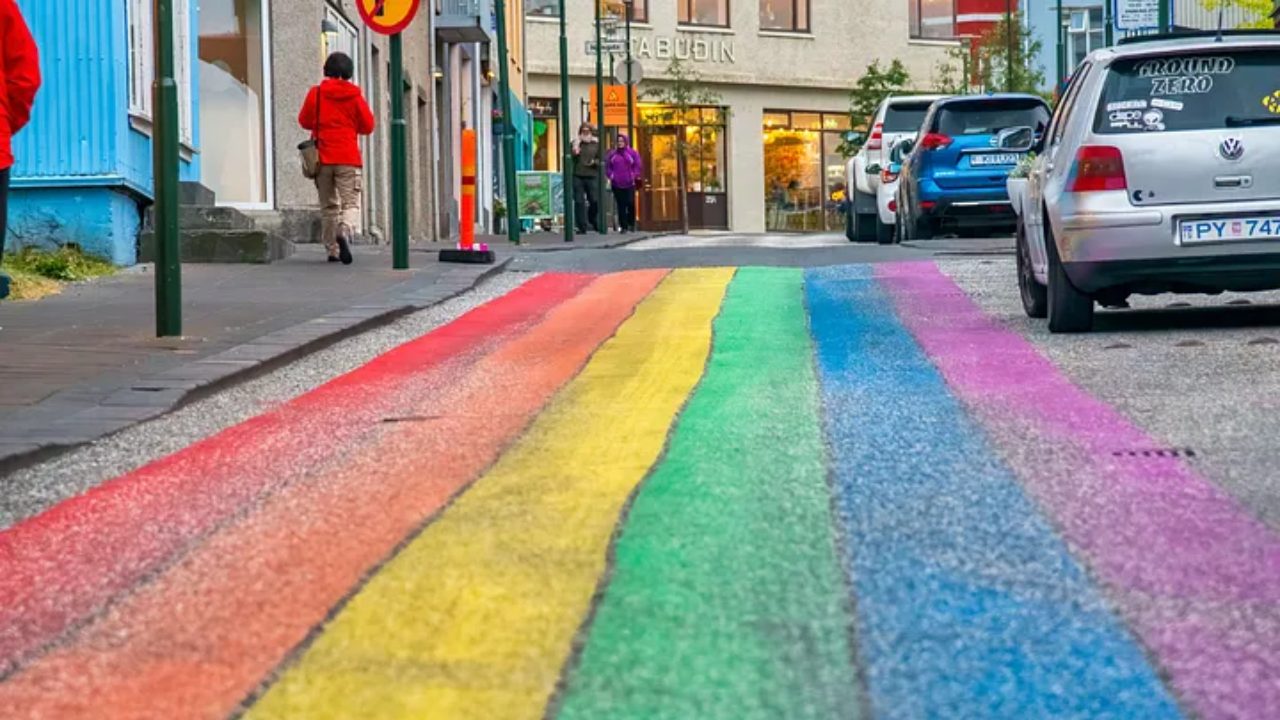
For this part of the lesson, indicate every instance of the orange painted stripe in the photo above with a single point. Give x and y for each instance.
(202, 637)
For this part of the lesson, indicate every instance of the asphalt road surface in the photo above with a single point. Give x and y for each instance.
(738, 477)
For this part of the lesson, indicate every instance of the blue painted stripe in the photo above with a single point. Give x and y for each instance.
(969, 605)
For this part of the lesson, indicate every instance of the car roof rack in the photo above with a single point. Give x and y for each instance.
(1198, 34)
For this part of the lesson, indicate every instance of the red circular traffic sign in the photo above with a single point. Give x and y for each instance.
(388, 17)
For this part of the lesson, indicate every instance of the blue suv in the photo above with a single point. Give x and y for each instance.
(954, 178)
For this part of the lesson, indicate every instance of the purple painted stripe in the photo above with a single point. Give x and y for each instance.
(1194, 573)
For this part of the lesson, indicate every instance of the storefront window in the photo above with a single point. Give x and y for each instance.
(710, 13)
(932, 19)
(546, 133)
(233, 86)
(661, 133)
(784, 15)
(804, 172)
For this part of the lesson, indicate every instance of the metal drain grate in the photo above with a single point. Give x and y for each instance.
(1156, 453)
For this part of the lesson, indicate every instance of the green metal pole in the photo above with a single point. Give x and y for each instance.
(1062, 50)
(566, 135)
(1165, 13)
(631, 100)
(508, 136)
(164, 139)
(1009, 47)
(399, 166)
(1110, 22)
(600, 213)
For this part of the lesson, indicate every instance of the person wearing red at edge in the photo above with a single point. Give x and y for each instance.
(336, 113)
(20, 78)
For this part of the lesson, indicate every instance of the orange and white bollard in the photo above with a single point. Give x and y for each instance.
(468, 251)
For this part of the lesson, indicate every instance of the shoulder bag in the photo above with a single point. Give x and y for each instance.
(309, 150)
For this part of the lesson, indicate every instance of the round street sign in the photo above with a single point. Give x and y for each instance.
(637, 72)
(388, 16)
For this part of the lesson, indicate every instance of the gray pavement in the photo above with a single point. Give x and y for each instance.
(86, 363)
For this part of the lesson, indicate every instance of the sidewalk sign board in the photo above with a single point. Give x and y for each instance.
(1138, 15)
(540, 195)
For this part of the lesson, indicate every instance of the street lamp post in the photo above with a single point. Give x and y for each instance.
(1164, 16)
(566, 136)
(1062, 48)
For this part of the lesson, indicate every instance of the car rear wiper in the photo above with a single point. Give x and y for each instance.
(1234, 121)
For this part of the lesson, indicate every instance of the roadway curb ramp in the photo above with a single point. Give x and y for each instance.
(153, 396)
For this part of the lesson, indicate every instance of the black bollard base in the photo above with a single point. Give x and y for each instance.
(469, 257)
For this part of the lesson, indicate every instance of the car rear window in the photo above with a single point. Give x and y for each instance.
(987, 117)
(1189, 92)
(905, 117)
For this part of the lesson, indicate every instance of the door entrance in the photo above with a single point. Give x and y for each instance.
(659, 208)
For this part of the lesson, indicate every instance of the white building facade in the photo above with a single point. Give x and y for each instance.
(766, 157)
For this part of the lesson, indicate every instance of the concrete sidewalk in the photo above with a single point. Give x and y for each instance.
(84, 364)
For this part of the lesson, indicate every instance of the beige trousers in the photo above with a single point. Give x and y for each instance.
(340, 187)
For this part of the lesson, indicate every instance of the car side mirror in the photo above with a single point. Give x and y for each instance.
(1016, 139)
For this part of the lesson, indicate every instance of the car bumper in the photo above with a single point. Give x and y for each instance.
(1105, 241)
(887, 194)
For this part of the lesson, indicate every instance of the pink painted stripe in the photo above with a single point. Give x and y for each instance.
(1196, 575)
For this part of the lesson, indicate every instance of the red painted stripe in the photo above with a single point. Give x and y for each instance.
(196, 641)
(60, 567)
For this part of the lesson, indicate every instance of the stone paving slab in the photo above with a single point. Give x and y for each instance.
(85, 364)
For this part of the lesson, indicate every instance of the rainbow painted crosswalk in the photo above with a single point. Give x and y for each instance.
(688, 494)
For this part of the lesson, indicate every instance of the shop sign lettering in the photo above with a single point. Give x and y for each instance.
(684, 48)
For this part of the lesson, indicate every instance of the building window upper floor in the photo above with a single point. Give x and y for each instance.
(932, 19)
(551, 8)
(703, 13)
(784, 15)
(142, 70)
(1085, 32)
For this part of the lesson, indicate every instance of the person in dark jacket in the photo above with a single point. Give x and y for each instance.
(623, 167)
(586, 178)
(19, 82)
(336, 113)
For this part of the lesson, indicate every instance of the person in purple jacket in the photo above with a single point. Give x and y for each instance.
(623, 168)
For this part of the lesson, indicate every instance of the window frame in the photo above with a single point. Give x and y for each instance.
(915, 31)
(142, 71)
(795, 28)
(687, 7)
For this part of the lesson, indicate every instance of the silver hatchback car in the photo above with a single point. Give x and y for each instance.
(1160, 172)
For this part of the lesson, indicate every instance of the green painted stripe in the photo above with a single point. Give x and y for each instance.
(727, 599)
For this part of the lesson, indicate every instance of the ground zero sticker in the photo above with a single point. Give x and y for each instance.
(1181, 85)
(1180, 67)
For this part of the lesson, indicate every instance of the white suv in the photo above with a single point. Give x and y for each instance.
(898, 117)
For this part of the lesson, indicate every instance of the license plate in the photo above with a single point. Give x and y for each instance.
(1000, 159)
(1229, 229)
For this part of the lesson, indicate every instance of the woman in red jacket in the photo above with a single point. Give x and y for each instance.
(19, 81)
(336, 114)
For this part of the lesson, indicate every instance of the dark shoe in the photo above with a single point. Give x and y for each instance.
(333, 258)
(344, 250)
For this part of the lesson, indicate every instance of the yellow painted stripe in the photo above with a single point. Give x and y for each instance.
(476, 617)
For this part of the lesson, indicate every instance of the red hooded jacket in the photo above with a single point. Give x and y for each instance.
(19, 77)
(344, 114)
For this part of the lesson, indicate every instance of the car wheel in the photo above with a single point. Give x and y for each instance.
(884, 232)
(1070, 311)
(863, 229)
(849, 231)
(1035, 297)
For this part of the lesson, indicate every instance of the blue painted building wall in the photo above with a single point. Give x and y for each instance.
(83, 172)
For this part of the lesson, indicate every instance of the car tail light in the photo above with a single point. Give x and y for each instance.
(876, 141)
(927, 204)
(893, 206)
(1099, 168)
(934, 141)
(888, 176)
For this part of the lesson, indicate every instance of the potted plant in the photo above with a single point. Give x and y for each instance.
(1017, 182)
